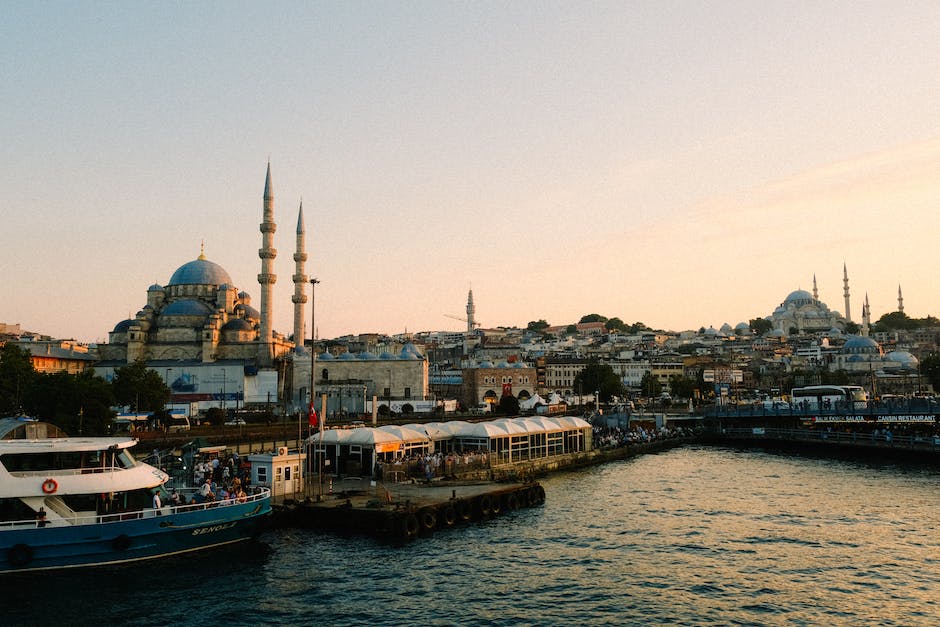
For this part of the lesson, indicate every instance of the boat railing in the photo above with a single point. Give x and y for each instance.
(65, 471)
(258, 494)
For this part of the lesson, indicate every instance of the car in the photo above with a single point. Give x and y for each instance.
(235, 422)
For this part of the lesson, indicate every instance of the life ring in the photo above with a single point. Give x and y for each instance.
(20, 555)
(49, 486)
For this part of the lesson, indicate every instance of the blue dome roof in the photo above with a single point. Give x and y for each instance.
(386, 356)
(366, 355)
(237, 324)
(325, 356)
(155, 288)
(200, 272)
(861, 345)
(250, 312)
(347, 356)
(123, 326)
(187, 307)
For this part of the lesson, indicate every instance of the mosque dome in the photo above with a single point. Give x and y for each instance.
(485, 364)
(798, 298)
(903, 358)
(386, 356)
(123, 326)
(200, 272)
(237, 324)
(366, 355)
(347, 356)
(248, 312)
(858, 345)
(410, 351)
(743, 327)
(325, 356)
(156, 287)
(187, 307)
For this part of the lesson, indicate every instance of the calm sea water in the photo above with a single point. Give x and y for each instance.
(692, 536)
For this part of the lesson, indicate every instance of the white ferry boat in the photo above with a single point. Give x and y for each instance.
(84, 501)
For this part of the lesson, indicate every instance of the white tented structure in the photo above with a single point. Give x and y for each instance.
(503, 441)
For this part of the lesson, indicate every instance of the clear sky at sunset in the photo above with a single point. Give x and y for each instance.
(683, 164)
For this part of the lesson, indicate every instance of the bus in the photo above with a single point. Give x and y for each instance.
(829, 397)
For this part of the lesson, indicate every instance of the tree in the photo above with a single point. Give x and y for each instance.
(896, 320)
(760, 326)
(537, 326)
(16, 377)
(140, 387)
(930, 369)
(571, 329)
(650, 385)
(615, 324)
(681, 387)
(592, 318)
(601, 378)
(508, 405)
(852, 328)
(80, 404)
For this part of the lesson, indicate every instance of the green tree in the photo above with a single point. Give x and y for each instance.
(537, 326)
(650, 385)
(760, 326)
(215, 416)
(16, 378)
(637, 327)
(508, 405)
(852, 328)
(681, 387)
(930, 369)
(592, 318)
(896, 320)
(80, 404)
(615, 324)
(571, 329)
(600, 378)
(140, 387)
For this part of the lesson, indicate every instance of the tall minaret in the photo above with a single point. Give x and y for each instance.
(866, 317)
(300, 281)
(845, 293)
(815, 291)
(471, 323)
(267, 278)
(900, 300)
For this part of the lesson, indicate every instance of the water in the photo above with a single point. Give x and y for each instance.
(689, 537)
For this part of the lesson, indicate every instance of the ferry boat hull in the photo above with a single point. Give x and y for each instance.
(176, 530)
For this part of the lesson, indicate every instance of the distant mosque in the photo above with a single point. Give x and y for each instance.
(200, 320)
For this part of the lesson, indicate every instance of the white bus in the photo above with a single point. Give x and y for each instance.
(829, 397)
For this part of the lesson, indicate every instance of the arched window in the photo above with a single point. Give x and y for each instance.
(325, 375)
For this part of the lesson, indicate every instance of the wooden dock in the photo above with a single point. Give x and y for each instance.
(403, 511)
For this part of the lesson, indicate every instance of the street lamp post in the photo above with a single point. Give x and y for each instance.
(313, 379)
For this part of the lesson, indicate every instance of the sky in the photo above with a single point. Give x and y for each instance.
(679, 163)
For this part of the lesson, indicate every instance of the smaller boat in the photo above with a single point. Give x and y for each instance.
(85, 501)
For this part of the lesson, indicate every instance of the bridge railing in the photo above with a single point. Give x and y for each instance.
(919, 442)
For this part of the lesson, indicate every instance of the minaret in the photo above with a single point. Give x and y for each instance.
(300, 281)
(267, 278)
(900, 300)
(471, 323)
(866, 317)
(845, 293)
(815, 291)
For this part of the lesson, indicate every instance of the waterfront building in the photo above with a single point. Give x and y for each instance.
(49, 355)
(486, 382)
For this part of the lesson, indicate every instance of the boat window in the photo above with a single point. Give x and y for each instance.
(125, 459)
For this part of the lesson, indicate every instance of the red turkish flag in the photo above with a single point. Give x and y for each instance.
(312, 418)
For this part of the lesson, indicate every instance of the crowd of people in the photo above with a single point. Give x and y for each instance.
(428, 466)
(612, 437)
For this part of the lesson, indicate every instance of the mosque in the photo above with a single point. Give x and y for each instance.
(203, 334)
(806, 314)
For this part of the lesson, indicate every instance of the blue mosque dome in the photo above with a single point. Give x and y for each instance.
(187, 307)
(366, 355)
(858, 345)
(386, 356)
(123, 326)
(325, 356)
(237, 324)
(347, 356)
(200, 272)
